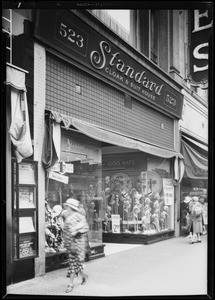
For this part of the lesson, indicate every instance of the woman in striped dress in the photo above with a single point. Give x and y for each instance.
(75, 240)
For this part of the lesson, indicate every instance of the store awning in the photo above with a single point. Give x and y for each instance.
(196, 163)
(194, 142)
(19, 130)
(111, 137)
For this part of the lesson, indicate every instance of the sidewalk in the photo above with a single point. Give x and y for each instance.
(164, 268)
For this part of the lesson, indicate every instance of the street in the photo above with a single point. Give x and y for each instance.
(165, 268)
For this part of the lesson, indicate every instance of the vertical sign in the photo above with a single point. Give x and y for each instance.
(168, 191)
(115, 223)
(200, 31)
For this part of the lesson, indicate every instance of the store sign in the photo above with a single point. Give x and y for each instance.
(123, 162)
(200, 31)
(62, 167)
(58, 177)
(68, 34)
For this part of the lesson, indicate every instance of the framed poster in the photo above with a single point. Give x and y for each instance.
(27, 246)
(168, 190)
(27, 197)
(27, 173)
(26, 224)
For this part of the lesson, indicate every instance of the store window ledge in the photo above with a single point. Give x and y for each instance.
(60, 259)
(131, 238)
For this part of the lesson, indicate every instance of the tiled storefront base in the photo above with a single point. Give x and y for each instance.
(131, 238)
(59, 260)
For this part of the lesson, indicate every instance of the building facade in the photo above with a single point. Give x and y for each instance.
(107, 108)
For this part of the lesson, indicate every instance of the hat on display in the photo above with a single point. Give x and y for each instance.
(73, 203)
(56, 210)
(195, 198)
(187, 199)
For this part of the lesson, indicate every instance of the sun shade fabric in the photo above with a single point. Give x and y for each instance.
(203, 147)
(196, 165)
(110, 137)
(15, 78)
(19, 129)
(51, 143)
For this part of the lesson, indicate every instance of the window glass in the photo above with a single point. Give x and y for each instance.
(139, 194)
(117, 19)
(154, 35)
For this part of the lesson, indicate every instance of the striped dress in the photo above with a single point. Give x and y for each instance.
(76, 245)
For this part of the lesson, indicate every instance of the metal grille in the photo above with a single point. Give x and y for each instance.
(101, 104)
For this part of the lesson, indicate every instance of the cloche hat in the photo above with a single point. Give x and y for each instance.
(56, 210)
(73, 203)
(195, 198)
(187, 199)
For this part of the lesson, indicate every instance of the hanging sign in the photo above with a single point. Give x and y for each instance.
(58, 177)
(200, 31)
(68, 34)
(62, 167)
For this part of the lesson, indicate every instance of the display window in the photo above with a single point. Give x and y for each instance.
(81, 179)
(139, 193)
(119, 192)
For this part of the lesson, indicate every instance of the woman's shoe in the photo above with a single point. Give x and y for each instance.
(69, 288)
(199, 241)
(84, 280)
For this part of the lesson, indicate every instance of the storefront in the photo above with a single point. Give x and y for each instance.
(195, 180)
(111, 135)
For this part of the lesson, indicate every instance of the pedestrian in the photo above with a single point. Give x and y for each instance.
(75, 240)
(188, 200)
(204, 215)
(196, 215)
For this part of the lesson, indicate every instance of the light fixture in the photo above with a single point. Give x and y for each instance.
(78, 89)
(162, 126)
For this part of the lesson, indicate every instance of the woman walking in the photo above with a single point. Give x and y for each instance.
(196, 214)
(75, 240)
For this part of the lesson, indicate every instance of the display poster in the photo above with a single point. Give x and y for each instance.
(26, 224)
(26, 248)
(27, 173)
(58, 177)
(115, 223)
(168, 190)
(26, 197)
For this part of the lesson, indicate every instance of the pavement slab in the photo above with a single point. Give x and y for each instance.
(165, 268)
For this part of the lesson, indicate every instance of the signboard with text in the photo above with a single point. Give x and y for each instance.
(168, 191)
(68, 34)
(200, 31)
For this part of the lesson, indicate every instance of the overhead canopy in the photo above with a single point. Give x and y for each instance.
(195, 160)
(111, 137)
(194, 142)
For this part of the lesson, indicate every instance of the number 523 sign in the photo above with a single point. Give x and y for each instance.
(70, 35)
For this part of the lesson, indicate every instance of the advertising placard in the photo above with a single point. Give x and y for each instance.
(168, 190)
(115, 223)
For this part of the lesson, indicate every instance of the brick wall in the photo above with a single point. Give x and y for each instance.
(103, 105)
